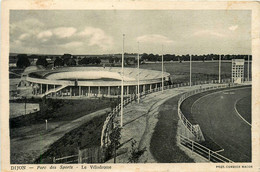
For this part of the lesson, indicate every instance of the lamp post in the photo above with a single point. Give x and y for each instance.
(122, 82)
(190, 69)
(138, 82)
(219, 69)
(248, 78)
(162, 69)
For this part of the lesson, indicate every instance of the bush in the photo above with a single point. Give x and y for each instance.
(135, 153)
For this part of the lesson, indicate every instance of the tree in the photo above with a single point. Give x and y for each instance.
(58, 62)
(115, 137)
(70, 62)
(22, 61)
(66, 56)
(84, 61)
(97, 61)
(111, 60)
(145, 56)
(42, 61)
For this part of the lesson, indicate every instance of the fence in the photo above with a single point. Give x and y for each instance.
(91, 155)
(195, 129)
(66, 160)
(88, 155)
(108, 122)
(202, 150)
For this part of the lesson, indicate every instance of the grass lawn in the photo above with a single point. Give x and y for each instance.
(86, 136)
(56, 110)
(201, 71)
(163, 142)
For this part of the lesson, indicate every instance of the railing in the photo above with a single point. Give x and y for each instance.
(194, 129)
(111, 115)
(66, 159)
(192, 145)
(202, 150)
(54, 90)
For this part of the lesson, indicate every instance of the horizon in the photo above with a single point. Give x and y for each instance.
(126, 53)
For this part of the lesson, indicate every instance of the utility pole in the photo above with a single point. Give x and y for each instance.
(138, 82)
(190, 69)
(219, 69)
(248, 67)
(122, 82)
(162, 70)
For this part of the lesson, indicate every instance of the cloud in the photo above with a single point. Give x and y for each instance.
(31, 25)
(97, 37)
(233, 28)
(208, 33)
(44, 34)
(24, 36)
(154, 38)
(64, 32)
(73, 44)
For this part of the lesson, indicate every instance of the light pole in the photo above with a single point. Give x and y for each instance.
(248, 68)
(190, 69)
(162, 69)
(138, 82)
(122, 82)
(219, 69)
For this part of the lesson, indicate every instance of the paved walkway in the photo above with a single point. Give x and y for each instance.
(140, 121)
(27, 149)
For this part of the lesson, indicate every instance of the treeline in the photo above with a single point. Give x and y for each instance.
(206, 57)
(23, 60)
(65, 60)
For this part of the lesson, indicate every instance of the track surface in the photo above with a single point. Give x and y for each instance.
(219, 120)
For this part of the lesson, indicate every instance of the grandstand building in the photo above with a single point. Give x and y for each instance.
(88, 81)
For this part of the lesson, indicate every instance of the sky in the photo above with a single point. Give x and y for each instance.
(157, 31)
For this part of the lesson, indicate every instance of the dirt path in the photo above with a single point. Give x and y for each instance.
(27, 149)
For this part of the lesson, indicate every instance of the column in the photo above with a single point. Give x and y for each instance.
(89, 91)
(144, 88)
(151, 87)
(70, 91)
(127, 90)
(47, 89)
(156, 86)
(98, 90)
(79, 91)
(108, 90)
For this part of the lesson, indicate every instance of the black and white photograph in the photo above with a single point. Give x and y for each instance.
(130, 86)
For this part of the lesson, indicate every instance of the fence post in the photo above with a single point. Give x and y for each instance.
(209, 155)
(54, 160)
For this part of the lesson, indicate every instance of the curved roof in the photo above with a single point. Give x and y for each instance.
(95, 76)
